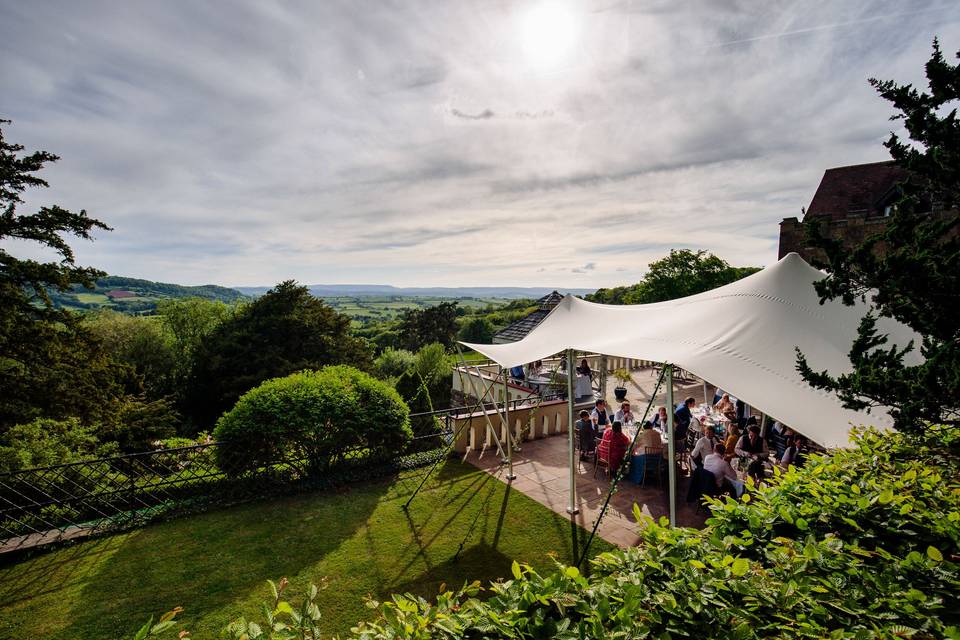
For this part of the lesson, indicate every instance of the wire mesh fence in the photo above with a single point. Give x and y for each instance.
(51, 504)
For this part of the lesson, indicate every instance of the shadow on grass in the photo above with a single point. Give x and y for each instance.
(206, 561)
(477, 562)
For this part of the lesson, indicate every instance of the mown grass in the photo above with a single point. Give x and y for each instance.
(215, 564)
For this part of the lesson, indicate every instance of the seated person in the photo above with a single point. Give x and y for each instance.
(752, 447)
(793, 453)
(725, 408)
(705, 446)
(516, 372)
(624, 415)
(730, 444)
(588, 435)
(648, 439)
(615, 443)
(599, 416)
(660, 420)
(584, 369)
(717, 464)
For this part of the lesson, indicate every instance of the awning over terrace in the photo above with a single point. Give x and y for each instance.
(740, 336)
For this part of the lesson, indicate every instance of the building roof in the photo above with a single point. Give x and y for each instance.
(519, 329)
(862, 189)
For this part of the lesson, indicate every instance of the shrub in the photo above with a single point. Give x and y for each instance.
(321, 416)
(392, 363)
(45, 442)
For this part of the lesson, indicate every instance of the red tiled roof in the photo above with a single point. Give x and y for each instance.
(859, 188)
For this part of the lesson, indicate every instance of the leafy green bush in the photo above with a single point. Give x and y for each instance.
(321, 416)
(392, 363)
(45, 442)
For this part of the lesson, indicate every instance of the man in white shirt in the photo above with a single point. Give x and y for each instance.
(649, 439)
(704, 446)
(720, 467)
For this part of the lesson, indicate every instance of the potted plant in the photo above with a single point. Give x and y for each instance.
(623, 377)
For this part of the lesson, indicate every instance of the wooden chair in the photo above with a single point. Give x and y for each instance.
(652, 465)
(602, 459)
(583, 454)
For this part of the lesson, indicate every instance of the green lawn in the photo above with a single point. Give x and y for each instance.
(215, 564)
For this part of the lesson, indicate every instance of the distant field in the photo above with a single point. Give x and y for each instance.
(376, 308)
(92, 298)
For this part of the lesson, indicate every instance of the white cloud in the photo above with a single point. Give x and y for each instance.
(412, 144)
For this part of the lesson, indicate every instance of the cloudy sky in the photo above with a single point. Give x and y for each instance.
(557, 143)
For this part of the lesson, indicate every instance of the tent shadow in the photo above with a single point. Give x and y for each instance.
(479, 561)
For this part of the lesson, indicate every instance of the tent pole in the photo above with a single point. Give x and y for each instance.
(706, 400)
(671, 454)
(572, 504)
(603, 377)
(506, 419)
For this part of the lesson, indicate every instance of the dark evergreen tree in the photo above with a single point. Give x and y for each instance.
(284, 331)
(911, 270)
(50, 366)
(420, 327)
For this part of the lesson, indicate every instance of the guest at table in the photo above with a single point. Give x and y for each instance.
(793, 453)
(648, 439)
(717, 464)
(615, 442)
(584, 369)
(534, 369)
(624, 415)
(730, 444)
(725, 407)
(752, 447)
(517, 372)
(705, 446)
(588, 435)
(599, 415)
(660, 420)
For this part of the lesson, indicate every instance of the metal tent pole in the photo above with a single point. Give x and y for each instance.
(706, 400)
(671, 453)
(506, 419)
(572, 505)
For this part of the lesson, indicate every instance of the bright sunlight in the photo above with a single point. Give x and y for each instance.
(548, 33)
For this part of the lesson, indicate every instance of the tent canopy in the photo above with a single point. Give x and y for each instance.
(740, 336)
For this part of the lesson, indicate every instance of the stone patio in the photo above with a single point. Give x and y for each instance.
(542, 473)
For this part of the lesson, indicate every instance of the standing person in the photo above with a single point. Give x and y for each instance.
(615, 442)
(588, 435)
(793, 453)
(705, 446)
(682, 416)
(584, 369)
(624, 415)
(752, 447)
(599, 415)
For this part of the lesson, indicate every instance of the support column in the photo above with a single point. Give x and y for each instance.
(671, 453)
(706, 400)
(506, 421)
(571, 442)
(603, 377)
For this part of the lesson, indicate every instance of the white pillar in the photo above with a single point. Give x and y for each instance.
(671, 454)
(571, 443)
(506, 422)
(706, 400)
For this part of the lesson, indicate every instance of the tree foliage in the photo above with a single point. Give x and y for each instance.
(420, 327)
(680, 274)
(50, 366)
(43, 442)
(319, 415)
(478, 330)
(911, 270)
(284, 331)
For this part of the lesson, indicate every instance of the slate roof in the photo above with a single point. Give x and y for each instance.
(519, 329)
(862, 189)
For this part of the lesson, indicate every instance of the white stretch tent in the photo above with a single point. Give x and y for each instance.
(740, 336)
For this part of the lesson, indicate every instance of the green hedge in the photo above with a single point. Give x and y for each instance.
(320, 416)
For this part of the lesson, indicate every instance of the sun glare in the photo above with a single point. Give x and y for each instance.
(548, 33)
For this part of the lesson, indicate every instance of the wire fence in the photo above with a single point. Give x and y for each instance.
(46, 505)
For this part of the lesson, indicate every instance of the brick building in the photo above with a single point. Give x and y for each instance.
(851, 202)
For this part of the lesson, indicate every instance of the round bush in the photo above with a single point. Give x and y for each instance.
(322, 417)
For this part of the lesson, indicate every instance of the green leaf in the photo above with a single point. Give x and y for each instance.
(572, 572)
(740, 567)
(144, 630)
(886, 496)
(934, 554)
(515, 569)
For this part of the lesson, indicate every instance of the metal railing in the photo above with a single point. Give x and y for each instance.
(51, 504)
